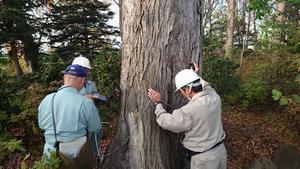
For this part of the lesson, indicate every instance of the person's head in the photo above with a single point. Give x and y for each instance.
(188, 82)
(74, 75)
(82, 61)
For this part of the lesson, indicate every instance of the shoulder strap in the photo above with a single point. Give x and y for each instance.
(56, 143)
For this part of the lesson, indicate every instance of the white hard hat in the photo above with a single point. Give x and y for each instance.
(185, 77)
(82, 61)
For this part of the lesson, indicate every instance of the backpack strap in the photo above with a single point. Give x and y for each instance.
(56, 143)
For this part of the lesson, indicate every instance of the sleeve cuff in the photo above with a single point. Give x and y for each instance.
(156, 103)
(159, 109)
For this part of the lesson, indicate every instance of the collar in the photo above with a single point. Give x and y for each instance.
(67, 88)
(199, 94)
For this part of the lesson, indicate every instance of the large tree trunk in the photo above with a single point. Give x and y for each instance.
(159, 38)
(13, 53)
(230, 28)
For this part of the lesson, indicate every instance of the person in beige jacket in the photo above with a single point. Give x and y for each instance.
(199, 119)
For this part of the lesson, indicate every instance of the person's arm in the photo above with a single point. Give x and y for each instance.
(177, 122)
(93, 119)
(93, 94)
(194, 67)
(93, 126)
(92, 87)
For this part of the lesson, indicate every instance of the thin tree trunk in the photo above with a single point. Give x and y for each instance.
(230, 28)
(159, 38)
(243, 27)
(281, 19)
(254, 26)
(14, 56)
(248, 28)
(245, 40)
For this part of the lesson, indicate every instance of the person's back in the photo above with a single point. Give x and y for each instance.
(207, 129)
(73, 114)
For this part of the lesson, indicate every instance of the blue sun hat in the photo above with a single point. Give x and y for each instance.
(75, 70)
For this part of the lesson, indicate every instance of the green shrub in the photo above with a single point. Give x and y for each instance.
(221, 74)
(8, 147)
(106, 75)
(3, 88)
(274, 70)
(255, 90)
(106, 70)
(52, 162)
(283, 72)
(50, 68)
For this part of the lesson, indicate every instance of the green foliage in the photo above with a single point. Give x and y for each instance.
(255, 90)
(106, 70)
(214, 36)
(261, 7)
(285, 100)
(80, 27)
(213, 45)
(22, 109)
(296, 98)
(269, 71)
(106, 75)
(52, 162)
(276, 95)
(16, 27)
(51, 67)
(8, 147)
(220, 73)
(294, 2)
(3, 95)
(4, 101)
(282, 73)
(290, 104)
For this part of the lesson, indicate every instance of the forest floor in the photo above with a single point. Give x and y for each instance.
(251, 135)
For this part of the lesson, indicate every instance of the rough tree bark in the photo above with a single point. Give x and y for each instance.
(159, 38)
(13, 54)
(230, 28)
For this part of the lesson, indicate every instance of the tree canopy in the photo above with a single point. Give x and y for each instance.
(80, 27)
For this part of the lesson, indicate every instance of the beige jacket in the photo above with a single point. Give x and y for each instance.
(199, 119)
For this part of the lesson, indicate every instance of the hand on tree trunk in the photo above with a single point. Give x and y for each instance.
(154, 96)
(194, 67)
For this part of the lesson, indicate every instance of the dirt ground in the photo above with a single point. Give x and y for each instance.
(250, 135)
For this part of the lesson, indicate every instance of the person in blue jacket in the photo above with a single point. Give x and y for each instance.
(68, 117)
(89, 88)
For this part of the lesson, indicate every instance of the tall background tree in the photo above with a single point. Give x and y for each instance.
(230, 28)
(159, 38)
(16, 32)
(80, 27)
